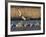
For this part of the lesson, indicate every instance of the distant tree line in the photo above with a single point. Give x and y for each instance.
(19, 18)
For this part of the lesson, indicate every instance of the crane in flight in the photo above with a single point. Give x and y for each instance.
(20, 14)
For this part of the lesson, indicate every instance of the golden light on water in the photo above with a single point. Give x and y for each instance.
(31, 12)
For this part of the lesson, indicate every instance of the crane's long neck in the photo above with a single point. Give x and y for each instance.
(20, 14)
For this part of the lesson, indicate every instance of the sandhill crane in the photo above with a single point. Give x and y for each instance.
(20, 14)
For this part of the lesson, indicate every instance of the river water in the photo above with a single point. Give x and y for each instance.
(34, 23)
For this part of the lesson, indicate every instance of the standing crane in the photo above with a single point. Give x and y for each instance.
(20, 14)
